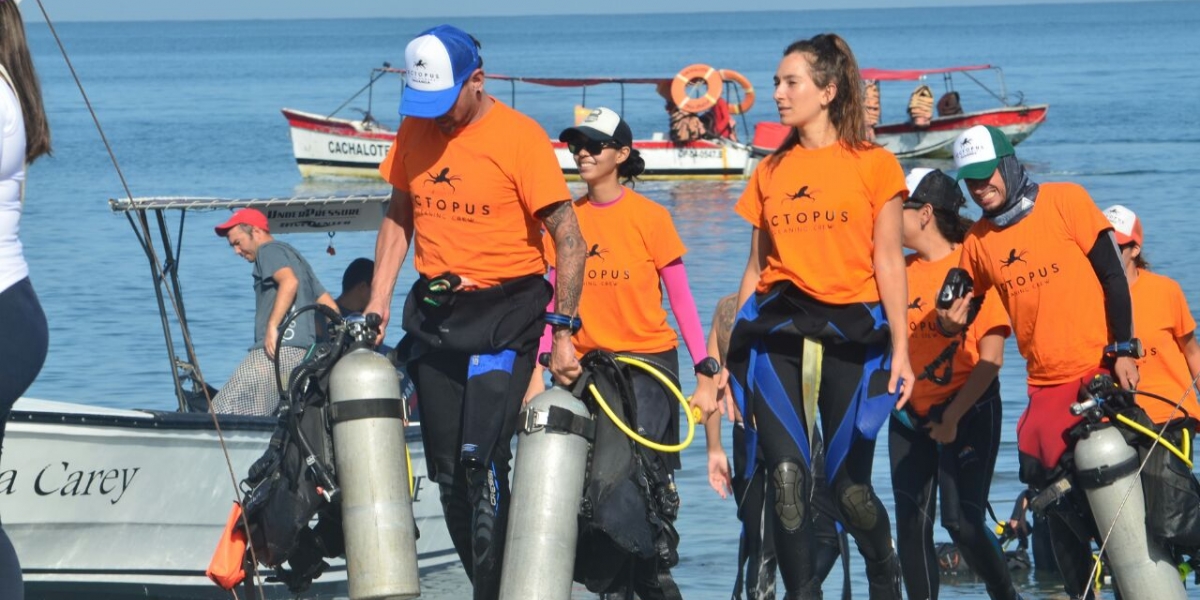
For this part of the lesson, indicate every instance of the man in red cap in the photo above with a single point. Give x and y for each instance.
(283, 281)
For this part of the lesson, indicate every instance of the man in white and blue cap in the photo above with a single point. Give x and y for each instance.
(474, 183)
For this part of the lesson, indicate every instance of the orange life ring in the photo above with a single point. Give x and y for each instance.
(712, 88)
(747, 89)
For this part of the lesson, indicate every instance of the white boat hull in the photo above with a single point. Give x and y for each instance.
(113, 502)
(331, 147)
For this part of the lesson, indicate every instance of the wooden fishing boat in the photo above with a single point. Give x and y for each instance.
(103, 502)
(908, 140)
(325, 145)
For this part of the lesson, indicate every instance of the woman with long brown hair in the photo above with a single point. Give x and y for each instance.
(824, 278)
(23, 334)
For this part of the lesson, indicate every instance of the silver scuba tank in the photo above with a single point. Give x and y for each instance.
(368, 439)
(554, 432)
(1106, 467)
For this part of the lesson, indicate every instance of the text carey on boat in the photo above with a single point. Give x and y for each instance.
(137, 499)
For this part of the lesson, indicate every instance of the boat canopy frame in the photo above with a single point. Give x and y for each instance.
(947, 74)
(185, 364)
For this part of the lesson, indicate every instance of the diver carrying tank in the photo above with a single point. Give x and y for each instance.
(367, 414)
(1106, 466)
(554, 436)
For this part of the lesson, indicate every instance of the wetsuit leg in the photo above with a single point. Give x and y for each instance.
(829, 537)
(756, 547)
(474, 499)
(784, 445)
(967, 467)
(1069, 527)
(859, 509)
(23, 344)
(914, 458)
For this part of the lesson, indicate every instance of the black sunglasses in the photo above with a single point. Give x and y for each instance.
(592, 146)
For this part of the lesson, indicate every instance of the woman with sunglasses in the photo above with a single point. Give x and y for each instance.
(946, 437)
(633, 253)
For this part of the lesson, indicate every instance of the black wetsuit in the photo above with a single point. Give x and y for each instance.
(756, 549)
(962, 472)
(765, 367)
(472, 358)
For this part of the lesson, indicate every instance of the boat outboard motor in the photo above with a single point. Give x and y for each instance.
(554, 434)
(1106, 466)
(368, 440)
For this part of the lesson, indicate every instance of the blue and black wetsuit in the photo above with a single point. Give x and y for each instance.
(765, 364)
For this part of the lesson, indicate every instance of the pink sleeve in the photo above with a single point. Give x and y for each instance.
(679, 294)
(547, 336)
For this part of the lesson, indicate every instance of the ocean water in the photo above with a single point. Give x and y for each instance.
(192, 109)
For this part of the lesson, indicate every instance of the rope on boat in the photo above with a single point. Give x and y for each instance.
(158, 270)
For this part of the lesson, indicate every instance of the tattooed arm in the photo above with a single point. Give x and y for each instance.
(560, 222)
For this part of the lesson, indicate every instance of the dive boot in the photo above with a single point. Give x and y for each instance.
(811, 590)
(883, 578)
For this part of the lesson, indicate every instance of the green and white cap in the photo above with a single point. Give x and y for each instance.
(978, 150)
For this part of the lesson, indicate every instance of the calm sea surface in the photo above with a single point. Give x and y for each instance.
(193, 109)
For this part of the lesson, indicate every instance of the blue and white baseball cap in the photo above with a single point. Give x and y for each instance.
(437, 62)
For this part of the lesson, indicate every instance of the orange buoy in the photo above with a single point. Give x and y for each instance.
(747, 90)
(689, 75)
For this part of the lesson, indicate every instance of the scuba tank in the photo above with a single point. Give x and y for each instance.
(554, 436)
(1106, 466)
(368, 437)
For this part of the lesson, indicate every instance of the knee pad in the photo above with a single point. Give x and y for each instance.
(790, 501)
(859, 506)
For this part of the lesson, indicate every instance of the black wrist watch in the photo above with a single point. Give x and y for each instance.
(1133, 349)
(709, 367)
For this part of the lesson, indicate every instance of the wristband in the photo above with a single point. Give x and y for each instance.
(1132, 349)
(561, 320)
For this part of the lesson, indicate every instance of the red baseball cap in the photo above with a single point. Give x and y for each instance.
(245, 216)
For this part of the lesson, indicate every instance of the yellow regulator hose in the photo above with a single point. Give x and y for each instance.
(692, 418)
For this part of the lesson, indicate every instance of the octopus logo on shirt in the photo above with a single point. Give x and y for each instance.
(802, 193)
(597, 252)
(916, 304)
(445, 177)
(1020, 272)
(1013, 258)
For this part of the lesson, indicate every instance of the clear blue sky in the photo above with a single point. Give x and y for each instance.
(153, 10)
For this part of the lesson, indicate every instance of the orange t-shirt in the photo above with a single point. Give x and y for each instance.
(475, 194)
(1041, 270)
(925, 342)
(819, 207)
(1160, 317)
(629, 241)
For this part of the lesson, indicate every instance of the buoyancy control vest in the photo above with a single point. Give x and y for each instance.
(629, 503)
(295, 480)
